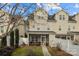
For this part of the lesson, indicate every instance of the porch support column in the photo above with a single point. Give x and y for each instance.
(41, 39)
(52, 40)
(8, 40)
(28, 39)
(0, 43)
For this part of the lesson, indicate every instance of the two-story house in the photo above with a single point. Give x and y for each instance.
(44, 28)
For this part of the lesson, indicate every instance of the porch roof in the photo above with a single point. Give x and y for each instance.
(41, 32)
(73, 32)
(62, 35)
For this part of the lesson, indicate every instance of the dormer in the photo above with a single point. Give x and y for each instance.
(76, 17)
(40, 15)
(72, 19)
(61, 16)
(51, 18)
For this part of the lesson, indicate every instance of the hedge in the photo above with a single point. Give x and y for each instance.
(16, 38)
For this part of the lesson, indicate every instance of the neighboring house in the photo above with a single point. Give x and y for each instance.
(19, 29)
(44, 28)
(4, 21)
(4, 17)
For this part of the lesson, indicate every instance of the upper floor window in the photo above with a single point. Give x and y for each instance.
(40, 17)
(73, 27)
(69, 28)
(59, 28)
(62, 17)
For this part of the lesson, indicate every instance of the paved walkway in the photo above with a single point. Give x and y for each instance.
(45, 50)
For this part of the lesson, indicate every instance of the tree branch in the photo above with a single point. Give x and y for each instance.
(3, 6)
(26, 9)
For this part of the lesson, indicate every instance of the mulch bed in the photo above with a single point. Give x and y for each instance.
(57, 52)
(6, 51)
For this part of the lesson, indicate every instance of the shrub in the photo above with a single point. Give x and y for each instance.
(3, 42)
(12, 38)
(6, 51)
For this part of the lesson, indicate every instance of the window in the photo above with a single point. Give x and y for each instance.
(38, 28)
(63, 17)
(2, 29)
(69, 28)
(59, 28)
(73, 27)
(60, 17)
(40, 17)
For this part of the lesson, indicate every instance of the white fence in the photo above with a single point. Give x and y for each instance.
(23, 41)
(0, 42)
(68, 46)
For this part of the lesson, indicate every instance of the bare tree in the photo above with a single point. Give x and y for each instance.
(14, 19)
(2, 6)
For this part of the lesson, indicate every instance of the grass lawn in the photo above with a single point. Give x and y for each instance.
(55, 52)
(28, 51)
